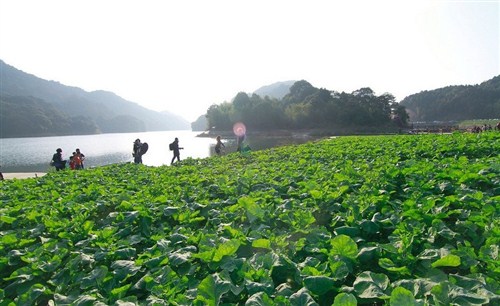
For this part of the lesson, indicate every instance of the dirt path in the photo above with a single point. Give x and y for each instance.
(22, 175)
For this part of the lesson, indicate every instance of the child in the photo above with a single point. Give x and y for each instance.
(72, 162)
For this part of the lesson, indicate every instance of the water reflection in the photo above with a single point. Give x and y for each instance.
(34, 153)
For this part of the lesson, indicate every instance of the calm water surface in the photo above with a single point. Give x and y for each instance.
(34, 154)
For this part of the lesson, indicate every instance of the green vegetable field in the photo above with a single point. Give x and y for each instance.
(374, 220)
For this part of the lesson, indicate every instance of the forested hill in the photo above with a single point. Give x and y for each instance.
(31, 106)
(308, 107)
(455, 103)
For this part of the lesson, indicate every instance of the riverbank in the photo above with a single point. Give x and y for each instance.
(22, 175)
(308, 133)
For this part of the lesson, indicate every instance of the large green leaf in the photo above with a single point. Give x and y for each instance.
(253, 210)
(302, 298)
(449, 260)
(441, 294)
(30, 297)
(402, 297)
(178, 258)
(369, 285)
(387, 264)
(95, 277)
(345, 299)
(124, 268)
(339, 270)
(227, 248)
(7, 219)
(261, 243)
(319, 284)
(211, 289)
(120, 292)
(85, 300)
(343, 245)
(259, 299)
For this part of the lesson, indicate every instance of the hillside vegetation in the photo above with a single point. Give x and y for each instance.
(456, 103)
(399, 220)
(31, 106)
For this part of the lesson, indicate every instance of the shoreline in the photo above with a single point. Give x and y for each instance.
(308, 133)
(305, 133)
(22, 175)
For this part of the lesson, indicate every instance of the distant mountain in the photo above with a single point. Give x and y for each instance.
(31, 106)
(456, 103)
(276, 90)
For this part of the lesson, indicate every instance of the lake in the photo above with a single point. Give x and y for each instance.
(33, 154)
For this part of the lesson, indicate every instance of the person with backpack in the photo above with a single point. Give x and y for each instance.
(174, 146)
(139, 150)
(57, 160)
(137, 153)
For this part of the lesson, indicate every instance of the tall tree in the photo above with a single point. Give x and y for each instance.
(219, 116)
(298, 92)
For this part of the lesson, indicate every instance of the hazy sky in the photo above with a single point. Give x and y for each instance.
(183, 56)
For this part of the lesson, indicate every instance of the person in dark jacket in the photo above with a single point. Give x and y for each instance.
(239, 142)
(176, 149)
(219, 145)
(57, 160)
(137, 151)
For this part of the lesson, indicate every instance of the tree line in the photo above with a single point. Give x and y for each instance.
(307, 107)
(456, 103)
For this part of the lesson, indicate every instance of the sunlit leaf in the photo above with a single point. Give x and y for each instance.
(261, 243)
(402, 297)
(447, 261)
(227, 248)
(345, 299)
(211, 290)
(344, 246)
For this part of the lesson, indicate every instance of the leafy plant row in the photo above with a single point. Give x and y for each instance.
(395, 220)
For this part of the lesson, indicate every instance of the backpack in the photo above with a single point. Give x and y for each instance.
(144, 148)
(171, 146)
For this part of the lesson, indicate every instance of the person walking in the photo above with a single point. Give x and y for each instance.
(239, 142)
(57, 160)
(137, 151)
(219, 145)
(174, 146)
